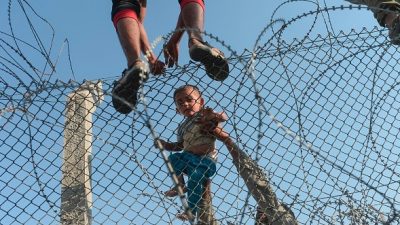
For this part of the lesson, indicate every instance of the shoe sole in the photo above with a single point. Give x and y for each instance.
(217, 67)
(125, 91)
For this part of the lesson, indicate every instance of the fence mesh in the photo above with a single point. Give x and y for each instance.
(318, 113)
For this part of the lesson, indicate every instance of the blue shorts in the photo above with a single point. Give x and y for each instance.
(198, 169)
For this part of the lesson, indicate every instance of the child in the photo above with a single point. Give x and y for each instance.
(198, 157)
(386, 13)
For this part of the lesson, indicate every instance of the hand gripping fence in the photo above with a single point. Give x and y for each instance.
(313, 119)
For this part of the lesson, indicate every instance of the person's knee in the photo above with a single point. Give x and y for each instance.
(211, 170)
(178, 163)
(208, 168)
(197, 178)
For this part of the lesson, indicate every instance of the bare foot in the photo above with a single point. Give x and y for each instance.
(184, 216)
(172, 192)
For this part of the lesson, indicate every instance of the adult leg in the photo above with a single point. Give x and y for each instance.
(125, 18)
(128, 30)
(192, 14)
(156, 66)
(192, 18)
(125, 15)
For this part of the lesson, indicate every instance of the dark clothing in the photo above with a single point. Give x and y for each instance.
(118, 5)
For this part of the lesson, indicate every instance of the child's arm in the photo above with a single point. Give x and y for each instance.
(220, 134)
(169, 146)
(225, 138)
(221, 116)
(209, 115)
(211, 122)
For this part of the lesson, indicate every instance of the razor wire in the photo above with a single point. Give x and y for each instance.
(318, 114)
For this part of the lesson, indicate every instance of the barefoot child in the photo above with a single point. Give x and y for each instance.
(197, 158)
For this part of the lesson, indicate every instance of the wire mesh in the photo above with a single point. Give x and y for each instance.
(319, 114)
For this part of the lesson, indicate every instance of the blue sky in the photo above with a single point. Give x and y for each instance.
(95, 49)
(96, 54)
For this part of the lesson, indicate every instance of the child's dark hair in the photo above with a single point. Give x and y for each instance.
(183, 87)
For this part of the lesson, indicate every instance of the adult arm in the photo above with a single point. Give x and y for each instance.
(156, 66)
(171, 49)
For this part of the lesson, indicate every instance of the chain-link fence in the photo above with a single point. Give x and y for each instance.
(319, 114)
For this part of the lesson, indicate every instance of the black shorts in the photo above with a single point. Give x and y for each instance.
(181, 1)
(118, 5)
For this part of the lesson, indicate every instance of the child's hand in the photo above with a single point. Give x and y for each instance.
(169, 146)
(216, 130)
(209, 115)
(207, 120)
(210, 122)
(219, 133)
(160, 144)
(210, 119)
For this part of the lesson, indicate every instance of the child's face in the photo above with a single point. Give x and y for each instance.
(188, 102)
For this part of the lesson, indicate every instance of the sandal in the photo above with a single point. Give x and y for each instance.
(214, 61)
(124, 92)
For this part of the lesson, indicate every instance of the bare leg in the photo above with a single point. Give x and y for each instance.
(129, 37)
(156, 66)
(193, 19)
(173, 192)
(206, 212)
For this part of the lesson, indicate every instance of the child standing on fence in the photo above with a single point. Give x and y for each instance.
(198, 157)
(386, 13)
